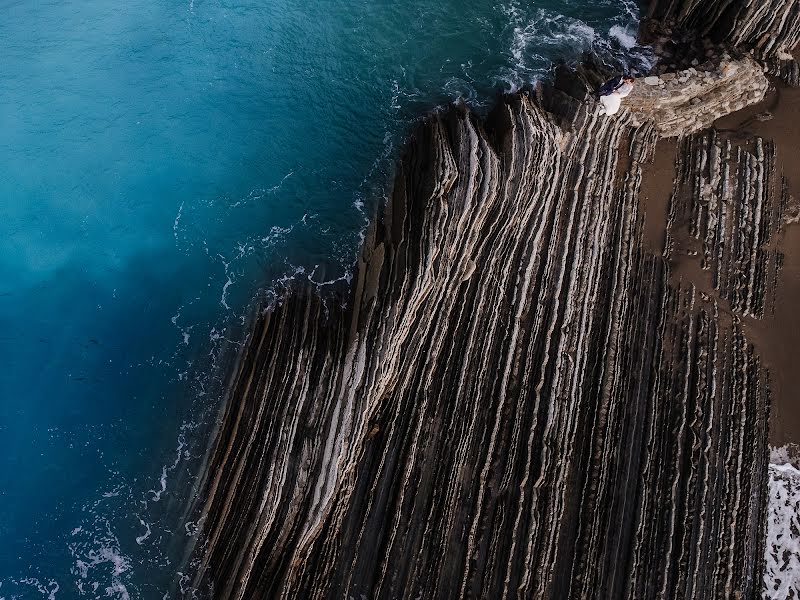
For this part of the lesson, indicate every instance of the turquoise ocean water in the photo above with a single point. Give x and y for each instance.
(162, 164)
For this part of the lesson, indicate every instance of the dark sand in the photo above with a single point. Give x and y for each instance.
(655, 193)
(777, 336)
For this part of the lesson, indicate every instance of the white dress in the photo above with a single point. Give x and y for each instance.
(613, 101)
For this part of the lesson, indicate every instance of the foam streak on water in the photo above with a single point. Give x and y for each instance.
(166, 165)
(782, 552)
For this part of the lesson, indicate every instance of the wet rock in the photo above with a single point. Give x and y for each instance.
(726, 190)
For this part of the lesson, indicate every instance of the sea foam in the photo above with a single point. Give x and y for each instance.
(782, 548)
(627, 40)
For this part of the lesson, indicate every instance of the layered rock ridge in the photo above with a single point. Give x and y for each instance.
(768, 29)
(516, 400)
(728, 207)
(683, 102)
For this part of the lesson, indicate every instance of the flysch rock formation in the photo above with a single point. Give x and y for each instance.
(728, 209)
(731, 203)
(515, 402)
(514, 398)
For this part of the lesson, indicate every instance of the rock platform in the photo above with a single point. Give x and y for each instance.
(683, 102)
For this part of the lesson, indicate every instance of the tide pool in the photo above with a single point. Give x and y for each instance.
(165, 164)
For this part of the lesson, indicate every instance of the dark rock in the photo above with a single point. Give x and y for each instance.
(512, 400)
(763, 28)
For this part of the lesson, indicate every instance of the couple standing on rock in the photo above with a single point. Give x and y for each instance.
(612, 93)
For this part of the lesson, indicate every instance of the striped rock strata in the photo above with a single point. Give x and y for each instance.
(768, 28)
(513, 402)
(728, 207)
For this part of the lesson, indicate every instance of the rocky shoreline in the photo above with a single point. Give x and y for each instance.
(522, 397)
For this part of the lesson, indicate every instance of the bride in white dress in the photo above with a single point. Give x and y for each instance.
(612, 93)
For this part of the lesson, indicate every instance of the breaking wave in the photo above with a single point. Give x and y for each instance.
(540, 35)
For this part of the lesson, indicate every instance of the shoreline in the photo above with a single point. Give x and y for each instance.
(426, 279)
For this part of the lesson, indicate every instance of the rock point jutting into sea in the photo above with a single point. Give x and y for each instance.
(519, 397)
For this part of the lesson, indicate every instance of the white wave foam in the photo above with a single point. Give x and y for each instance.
(49, 590)
(165, 469)
(548, 29)
(163, 482)
(631, 9)
(105, 560)
(277, 187)
(625, 38)
(541, 35)
(782, 548)
(97, 554)
(176, 223)
(223, 300)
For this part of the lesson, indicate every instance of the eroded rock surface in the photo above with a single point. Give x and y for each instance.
(770, 29)
(683, 102)
(515, 402)
(728, 206)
